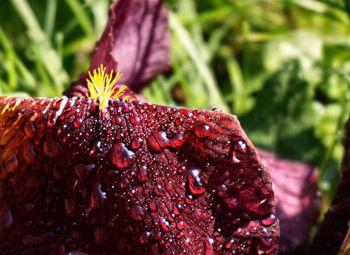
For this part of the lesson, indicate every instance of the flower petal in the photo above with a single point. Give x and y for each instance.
(135, 41)
(132, 179)
(297, 198)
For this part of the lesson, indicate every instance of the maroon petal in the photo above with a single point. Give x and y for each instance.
(132, 179)
(335, 225)
(135, 41)
(297, 199)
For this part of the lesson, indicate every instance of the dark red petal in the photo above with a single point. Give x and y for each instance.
(335, 225)
(297, 198)
(134, 179)
(135, 41)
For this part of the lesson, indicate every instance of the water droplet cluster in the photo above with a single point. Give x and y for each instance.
(133, 179)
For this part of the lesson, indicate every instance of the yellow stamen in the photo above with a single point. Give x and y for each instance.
(102, 85)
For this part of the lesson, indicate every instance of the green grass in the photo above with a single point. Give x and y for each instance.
(282, 66)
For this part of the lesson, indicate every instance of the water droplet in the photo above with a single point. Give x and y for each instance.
(180, 225)
(135, 120)
(159, 141)
(136, 143)
(137, 213)
(194, 183)
(209, 246)
(181, 169)
(222, 190)
(178, 121)
(202, 130)
(98, 196)
(241, 146)
(152, 206)
(269, 220)
(121, 156)
(239, 151)
(145, 237)
(77, 122)
(189, 199)
(215, 109)
(158, 190)
(176, 211)
(164, 224)
(228, 245)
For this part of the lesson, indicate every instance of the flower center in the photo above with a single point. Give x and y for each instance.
(103, 85)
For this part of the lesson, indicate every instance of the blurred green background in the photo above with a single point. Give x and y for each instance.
(282, 66)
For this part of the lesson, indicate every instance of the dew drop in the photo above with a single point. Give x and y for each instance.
(77, 122)
(98, 196)
(145, 237)
(208, 246)
(239, 151)
(122, 157)
(135, 120)
(152, 206)
(202, 130)
(181, 169)
(180, 225)
(241, 146)
(176, 211)
(222, 190)
(215, 109)
(178, 121)
(269, 220)
(136, 143)
(164, 224)
(189, 199)
(159, 190)
(194, 183)
(157, 142)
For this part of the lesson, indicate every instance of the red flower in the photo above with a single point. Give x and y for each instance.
(96, 175)
(132, 178)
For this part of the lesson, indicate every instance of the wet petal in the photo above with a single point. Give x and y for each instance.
(132, 179)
